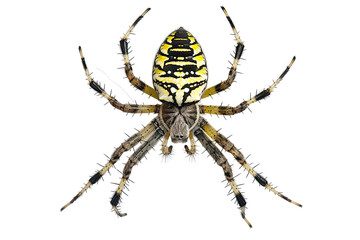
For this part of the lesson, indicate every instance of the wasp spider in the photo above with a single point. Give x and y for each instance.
(180, 77)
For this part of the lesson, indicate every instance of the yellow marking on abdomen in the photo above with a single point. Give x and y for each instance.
(180, 82)
(164, 48)
(169, 39)
(196, 48)
(180, 50)
(180, 63)
(200, 60)
(202, 71)
(179, 74)
(160, 59)
(158, 71)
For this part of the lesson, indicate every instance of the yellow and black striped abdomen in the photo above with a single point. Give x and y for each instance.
(180, 72)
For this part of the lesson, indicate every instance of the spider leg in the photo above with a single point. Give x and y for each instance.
(133, 160)
(130, 108)
(226, 110)
(222, 162)
(125, 146)
(136, 82)
(232, 73)
(164, 148)
(230, 147)
(192, 148)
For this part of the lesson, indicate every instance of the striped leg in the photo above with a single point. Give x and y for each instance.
(125, 146)
(222, 162)
(133, 160)
(130, 108)
(225, 110)
(232, 73)
(229, 147)
(136, 82)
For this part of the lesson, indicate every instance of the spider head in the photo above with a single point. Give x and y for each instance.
(179, 131)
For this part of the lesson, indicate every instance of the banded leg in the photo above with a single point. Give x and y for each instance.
(230, 147)
(164, 148)
(232, 73)
(222, 162)
(225, 110)
(136, 82)
(133, 160)
(192, 148)
(130, 108)
(125, 146)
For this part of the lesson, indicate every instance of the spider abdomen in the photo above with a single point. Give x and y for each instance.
(180, 73)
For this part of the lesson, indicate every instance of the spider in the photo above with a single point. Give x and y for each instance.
(180, 78)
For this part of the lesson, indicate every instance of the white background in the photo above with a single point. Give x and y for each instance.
(54, 130)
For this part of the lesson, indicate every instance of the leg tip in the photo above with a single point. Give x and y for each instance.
(118, 212)
(121, 214)
(248, 223)
(295, 203)
(243, 216)
(64, 207)
(187, 149)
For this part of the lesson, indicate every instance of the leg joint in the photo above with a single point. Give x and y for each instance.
(260, 179)
(94, 85)
(95, 178)
(241, 200)
(124, 46)
(263, 94)
(115, 199)
(239, 50)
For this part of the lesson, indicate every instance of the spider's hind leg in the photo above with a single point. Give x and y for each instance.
(230, 147)
(220, 159)
(133, 160)
(125, 146)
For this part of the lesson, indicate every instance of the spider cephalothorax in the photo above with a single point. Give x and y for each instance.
(179, 121)
(180, 78)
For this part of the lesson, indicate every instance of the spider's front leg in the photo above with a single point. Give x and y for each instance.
(133, 160)
(165, 149)
(192, 148)
(220, 159)
(129, 108)
(125, 146)
(226, 110)
(136, 82)
(232, 73)
(230, 147)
